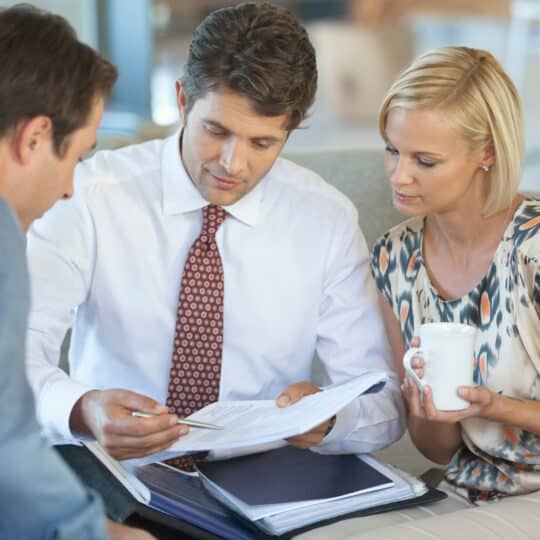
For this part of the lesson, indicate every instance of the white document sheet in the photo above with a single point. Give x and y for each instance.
(137, 489)
(250, 423)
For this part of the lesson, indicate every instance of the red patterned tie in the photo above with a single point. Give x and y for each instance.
(198, 340)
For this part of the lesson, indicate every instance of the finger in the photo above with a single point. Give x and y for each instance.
(415, 341)
(128, 453)
(290, 395)
(133, 426)
(475, 395)
(136, 449)
(412, 395)
(419, 372)
(137, 453)
(139, 402)
(299, 443)
(310, 438)
(430, 409)
(143, 444)
(295, 392)
(306, 440)
(436, 415)
(417, 362)
(133, 453)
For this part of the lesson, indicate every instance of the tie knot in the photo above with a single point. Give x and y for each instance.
(213, 217)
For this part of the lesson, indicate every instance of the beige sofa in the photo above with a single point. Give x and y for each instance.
(359, 174)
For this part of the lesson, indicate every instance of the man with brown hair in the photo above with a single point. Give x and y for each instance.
(203, 267)
(52, 89)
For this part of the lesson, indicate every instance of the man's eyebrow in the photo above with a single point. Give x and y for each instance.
(266, 138)
(216, 124)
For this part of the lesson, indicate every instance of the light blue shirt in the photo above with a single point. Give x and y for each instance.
(40, 498)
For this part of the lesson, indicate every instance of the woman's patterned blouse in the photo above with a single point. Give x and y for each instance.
(495, 459)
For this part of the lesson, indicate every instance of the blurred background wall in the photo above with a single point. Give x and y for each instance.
(361, 46)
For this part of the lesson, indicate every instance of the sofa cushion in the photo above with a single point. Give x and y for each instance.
(514, 518)
(360, 175)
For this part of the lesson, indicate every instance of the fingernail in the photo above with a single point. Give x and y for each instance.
(183, 429)
(160, 409)
(174, 420)
(283, 400)
(462, 391)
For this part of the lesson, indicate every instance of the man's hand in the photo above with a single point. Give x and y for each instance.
(121, 532)
(291, 395)
(106, 415)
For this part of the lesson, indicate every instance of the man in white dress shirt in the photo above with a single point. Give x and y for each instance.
(293, 264)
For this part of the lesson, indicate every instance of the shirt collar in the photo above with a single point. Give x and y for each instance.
(180, 196)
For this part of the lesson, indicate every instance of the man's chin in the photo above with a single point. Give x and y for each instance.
(221, 198)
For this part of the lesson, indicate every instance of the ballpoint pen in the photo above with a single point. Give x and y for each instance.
(186, 421)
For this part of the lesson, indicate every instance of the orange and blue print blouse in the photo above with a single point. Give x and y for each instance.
(495, 459)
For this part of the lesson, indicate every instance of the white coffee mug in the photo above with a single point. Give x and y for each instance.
(448, 353)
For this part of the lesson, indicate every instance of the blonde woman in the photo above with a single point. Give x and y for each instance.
(469, 253)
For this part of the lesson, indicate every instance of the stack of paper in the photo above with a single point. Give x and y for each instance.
(275, 492)
(249, 424)
(287, 489)
(272, 507)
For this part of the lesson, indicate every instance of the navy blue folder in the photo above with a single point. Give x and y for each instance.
(290, 474)
(182, 496)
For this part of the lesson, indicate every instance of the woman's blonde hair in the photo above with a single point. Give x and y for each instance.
(473, 90)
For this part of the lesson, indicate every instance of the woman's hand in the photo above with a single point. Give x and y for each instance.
(421, 405)
(480, 398)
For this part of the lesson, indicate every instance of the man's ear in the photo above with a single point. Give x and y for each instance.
(181, 102)
(30, 137)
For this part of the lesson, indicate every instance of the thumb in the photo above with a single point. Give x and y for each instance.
(293, 393)
(284, 399)
(474, 394)
(141, 403)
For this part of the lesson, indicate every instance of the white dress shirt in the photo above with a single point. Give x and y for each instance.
(297, 282)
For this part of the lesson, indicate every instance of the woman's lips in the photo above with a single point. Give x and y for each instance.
(403, 198)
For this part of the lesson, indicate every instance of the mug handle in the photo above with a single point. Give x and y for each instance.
(414, 352)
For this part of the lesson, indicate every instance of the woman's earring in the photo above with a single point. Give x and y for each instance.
(485, 168)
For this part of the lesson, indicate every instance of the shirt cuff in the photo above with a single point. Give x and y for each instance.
(55, 408)
(346, 420)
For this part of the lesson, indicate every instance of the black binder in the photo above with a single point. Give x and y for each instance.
(181, 505)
